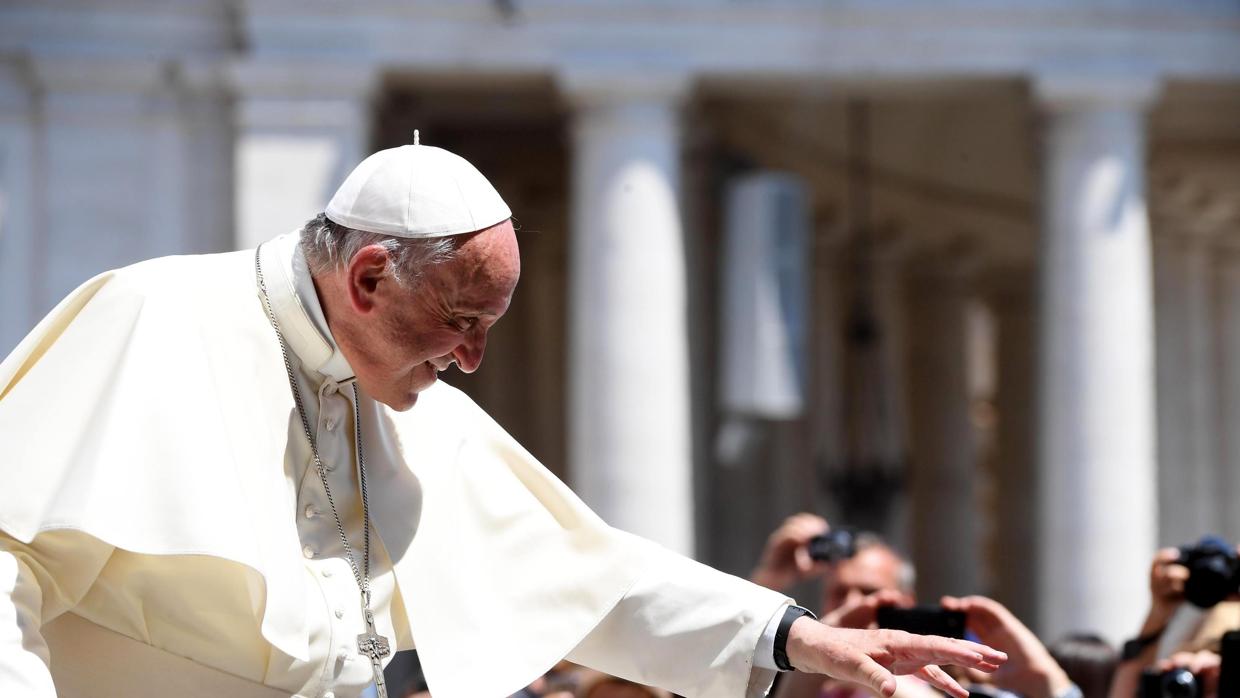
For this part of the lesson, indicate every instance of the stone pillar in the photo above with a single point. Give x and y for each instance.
(629, 429)
(18, 184)
(300, 131)
(1013, 555)
(1228, 295)
(1187, 406)
(200, 149)
(1097, 445)
(108, 191)
(943, 460)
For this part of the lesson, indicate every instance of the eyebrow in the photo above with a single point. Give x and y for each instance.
(475, 310)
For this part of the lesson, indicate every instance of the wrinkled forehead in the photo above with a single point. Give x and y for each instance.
(486, 268)
(874, 567)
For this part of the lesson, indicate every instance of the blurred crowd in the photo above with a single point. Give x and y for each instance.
(1186, 646)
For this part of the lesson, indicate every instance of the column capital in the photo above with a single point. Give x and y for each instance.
(303, 79)
(291, 95)
(1058, 92)
(81, 90)
(595, 87)
(93, 76)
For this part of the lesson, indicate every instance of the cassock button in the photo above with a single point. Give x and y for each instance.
(329, 694)
(339, 614)
(308, 552)
(311, 511)
(326, 572)
(330, 424)
(343, 655)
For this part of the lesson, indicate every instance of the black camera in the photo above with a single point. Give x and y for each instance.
(1213, 571)
(836, 544)
(1176, 683)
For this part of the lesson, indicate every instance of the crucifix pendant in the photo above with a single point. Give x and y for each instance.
(373, 645)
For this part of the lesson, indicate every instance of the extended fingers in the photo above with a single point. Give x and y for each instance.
(938, 678)
(876, 676)
(942, 650)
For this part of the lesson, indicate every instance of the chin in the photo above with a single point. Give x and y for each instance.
(405, 404)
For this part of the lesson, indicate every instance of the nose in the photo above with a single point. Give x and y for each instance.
(468, 354)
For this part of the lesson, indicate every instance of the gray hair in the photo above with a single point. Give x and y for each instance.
(329, 246)
(907, 574)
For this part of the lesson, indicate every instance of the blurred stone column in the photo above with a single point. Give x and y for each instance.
(1097, 443)
(1187, 408)
(943, 459)
(1228, 493)
(103, 187)
(1014, 562)
(300, 130)
(19, 183)
(629, 431)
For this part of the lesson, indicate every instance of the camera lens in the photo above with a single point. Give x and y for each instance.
(1213, 570)
(1180, 683)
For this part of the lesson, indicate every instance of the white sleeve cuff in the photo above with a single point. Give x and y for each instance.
(764, 653)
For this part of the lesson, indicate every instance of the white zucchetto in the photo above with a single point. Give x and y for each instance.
(417, 191)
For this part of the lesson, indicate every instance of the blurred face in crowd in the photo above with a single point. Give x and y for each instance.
(872, 569)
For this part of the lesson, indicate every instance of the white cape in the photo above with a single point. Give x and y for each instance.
(150, 410)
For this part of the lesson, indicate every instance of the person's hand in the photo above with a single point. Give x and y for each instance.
(1167, 578)
(863, 611)
(872, 658)
(786, 560)
(1030, 671)
(1205, 665)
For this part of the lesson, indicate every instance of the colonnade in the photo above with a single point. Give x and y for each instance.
(1078, 495)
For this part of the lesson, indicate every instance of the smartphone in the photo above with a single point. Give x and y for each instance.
(923, 620)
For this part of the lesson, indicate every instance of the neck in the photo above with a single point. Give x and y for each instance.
(333, 299)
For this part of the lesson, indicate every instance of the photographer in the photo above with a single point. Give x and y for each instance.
(860, 573)
(1169, 579)
(854, 584)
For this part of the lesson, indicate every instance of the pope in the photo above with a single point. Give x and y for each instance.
(238, 475)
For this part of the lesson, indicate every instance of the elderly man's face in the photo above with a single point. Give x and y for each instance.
(872, 569)
(413, 333)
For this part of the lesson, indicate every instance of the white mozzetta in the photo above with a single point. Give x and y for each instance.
(1097, 460)
(629, 433)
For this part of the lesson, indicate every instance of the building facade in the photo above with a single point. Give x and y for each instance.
(1021, 328)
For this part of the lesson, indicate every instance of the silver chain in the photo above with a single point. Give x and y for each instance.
(362, 577)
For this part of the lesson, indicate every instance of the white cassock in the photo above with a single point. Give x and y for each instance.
(163, 531)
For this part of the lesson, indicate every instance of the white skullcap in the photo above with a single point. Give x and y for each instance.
(417, 191)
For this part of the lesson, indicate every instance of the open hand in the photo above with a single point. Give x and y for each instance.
(873, 657)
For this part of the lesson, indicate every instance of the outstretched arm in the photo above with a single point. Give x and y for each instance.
(695, 630)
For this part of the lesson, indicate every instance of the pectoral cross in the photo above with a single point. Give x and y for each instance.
(375, 646)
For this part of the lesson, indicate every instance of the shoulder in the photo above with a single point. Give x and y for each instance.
(187, 275)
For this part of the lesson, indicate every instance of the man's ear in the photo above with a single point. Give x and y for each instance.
(366, 271)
